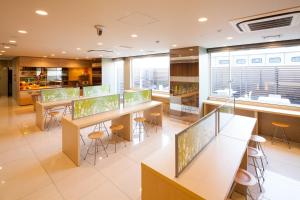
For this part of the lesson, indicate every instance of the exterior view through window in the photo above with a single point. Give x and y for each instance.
(151, 72)
(267, 75)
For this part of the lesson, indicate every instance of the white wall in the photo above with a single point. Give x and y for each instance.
(109, 74)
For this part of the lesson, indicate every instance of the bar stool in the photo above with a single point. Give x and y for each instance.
(53, 118)
(96, 137)
(282, 127)
(246, 179)
(256, 154)
(67, 108)
(101, 126)
(258, 140)
(115, 130)
(140, 126)
(155, 119)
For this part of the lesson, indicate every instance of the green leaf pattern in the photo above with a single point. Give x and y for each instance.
(58, 94)
(94, 91)
(136, 97)
(92, 106)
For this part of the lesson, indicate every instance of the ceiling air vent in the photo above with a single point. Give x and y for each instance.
(277, 19)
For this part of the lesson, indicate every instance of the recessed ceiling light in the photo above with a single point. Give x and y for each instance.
(0, 54)
(12, 41)
(6, 47)
(45, 56)
(174, 45)
(22, 31)
(78, 49)
(87, 57)
(52, 54)
(134, 35)
(3, 51)
(99, 43)
(191, 49)
(229, 38)
(202, 19)
(41, 12)
(63, 52)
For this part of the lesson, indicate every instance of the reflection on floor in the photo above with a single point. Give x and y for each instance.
(32, 165)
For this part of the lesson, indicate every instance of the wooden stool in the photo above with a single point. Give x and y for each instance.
(282, 127)
(154, 119)
(256, 154)
(244, 178)
(67, 108)
(258, 140)
(140, 125)
(96, 137)
(115, 130)
(101, 126)
(53, 118)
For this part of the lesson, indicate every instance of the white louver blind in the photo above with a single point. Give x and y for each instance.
(266, 75)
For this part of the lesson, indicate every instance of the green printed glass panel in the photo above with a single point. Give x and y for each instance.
(136, 97)
(94, 91)
(192, 140)
(92, 106)
(226, 112)
(58, 94)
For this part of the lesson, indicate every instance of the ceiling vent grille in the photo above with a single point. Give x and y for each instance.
(273, 20)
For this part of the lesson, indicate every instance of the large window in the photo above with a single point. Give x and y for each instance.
(266, 75)
(151, 72)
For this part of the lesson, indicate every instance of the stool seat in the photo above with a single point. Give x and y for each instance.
(245, 178)
(155, 114)
(96, 135)
(257, 138)
(116, 127)
(253, 152)
(281, 125)
(140, 119)
(53, 113)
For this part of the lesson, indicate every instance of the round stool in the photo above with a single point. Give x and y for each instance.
(154, 121)
(246, 179)
(280, 126)
(96, 137)
(258, 140)
(115, 130)
(256, 154)
(140, 125)
(53, 118)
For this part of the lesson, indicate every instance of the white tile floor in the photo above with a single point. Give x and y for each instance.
(33, 167)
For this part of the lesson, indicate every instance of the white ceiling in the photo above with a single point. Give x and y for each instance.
(70, 24)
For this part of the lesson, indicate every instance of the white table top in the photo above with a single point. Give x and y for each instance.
(212, 172)
(279, 111)
(105, 116)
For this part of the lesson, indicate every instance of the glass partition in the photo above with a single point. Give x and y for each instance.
(133, 97)
(94, 91)
(58, 94)
(225, 113)
(91, 106)
(191, 141)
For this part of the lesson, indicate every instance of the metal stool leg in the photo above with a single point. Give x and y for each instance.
(286, 138)
(262, 150)
(257, 176)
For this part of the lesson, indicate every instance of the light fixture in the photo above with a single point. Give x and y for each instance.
(22, 31)
(63, 52)
(45, 56)
(174, 45)
(12, 41)
(78, 49)
(52, 54)
(202, 19)
(6, 47)
(100, 55)
(99, 43)
(3, 51)
(41, 12)
(229, 38)
(1, 54)
(134, 35)
(76, 58)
